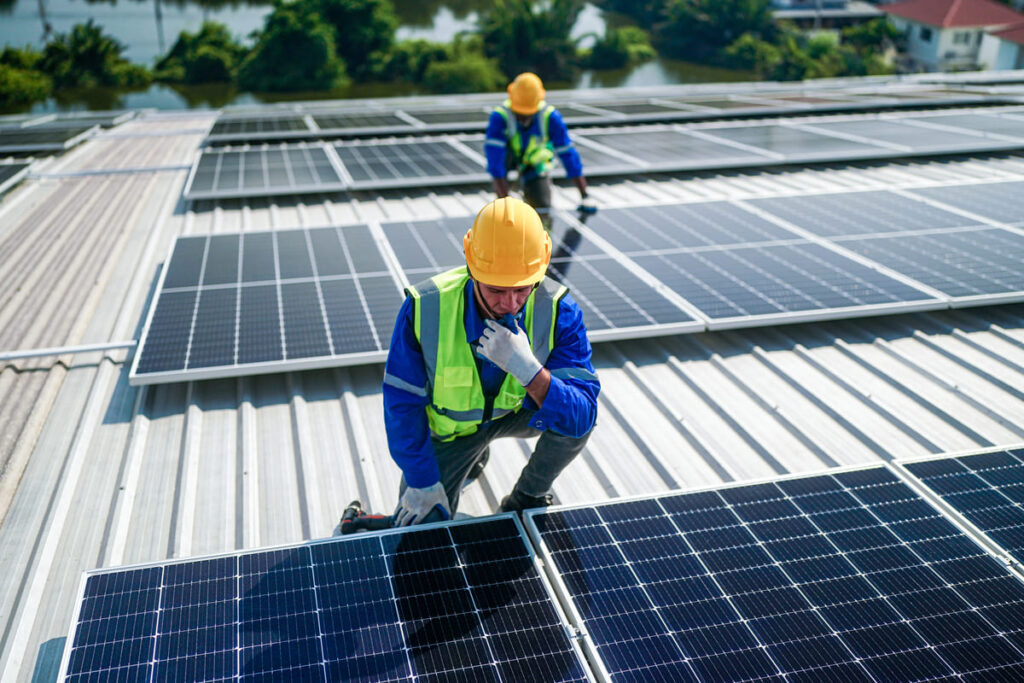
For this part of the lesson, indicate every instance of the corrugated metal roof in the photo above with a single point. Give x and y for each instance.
(98, 473)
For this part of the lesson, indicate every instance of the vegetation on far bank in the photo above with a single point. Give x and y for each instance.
(315, 45)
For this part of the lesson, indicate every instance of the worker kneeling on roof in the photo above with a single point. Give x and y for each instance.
(494, 349)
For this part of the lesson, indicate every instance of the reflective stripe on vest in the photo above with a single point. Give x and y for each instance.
(540, 147)
(457, 400)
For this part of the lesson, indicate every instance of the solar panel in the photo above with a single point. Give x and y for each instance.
(270, 170)
(981, 123)
(668, 148)
(347, 120)
(789, 141)
(258, 126)
(999, 201)
(634, 108)
(241, 304)
(407, 164)
(800, 281)
(476, 116)
(848, 576)
(859, 213)
(972, 266)
(986, 488)
(719, 103)
(894, 132)
(616, 302)
(461, 602)
(11, 174)
(42, 138)
(683, 226)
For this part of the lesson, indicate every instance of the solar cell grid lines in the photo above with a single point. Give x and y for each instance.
(1002, 202)
(666, 148)
(463, 602)
(986, 488)
(347, 120)
(42, 138)
(859, 213)
(239, 304)
(848, 576)
(405, 164)
(801, 281)
(981, 123)
(972, 266)
(683, 226)
(613, 299)
(788, 141)
(249, 125)
(268, 170)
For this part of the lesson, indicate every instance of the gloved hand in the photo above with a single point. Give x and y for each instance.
(587, 205)
(510, 351)
(416, 504)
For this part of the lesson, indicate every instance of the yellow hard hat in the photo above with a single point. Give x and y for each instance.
(525, 94)
(507, 245)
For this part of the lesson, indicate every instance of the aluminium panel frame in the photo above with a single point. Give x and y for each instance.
(571, 632)
(52, 146)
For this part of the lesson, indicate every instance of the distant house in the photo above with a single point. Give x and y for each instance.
(944, 35)
(1003, 49)
(824, 13)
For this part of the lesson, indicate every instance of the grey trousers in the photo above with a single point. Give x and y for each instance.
(551, 455)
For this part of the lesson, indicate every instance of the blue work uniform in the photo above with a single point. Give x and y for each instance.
(570, 407)
(496, 142)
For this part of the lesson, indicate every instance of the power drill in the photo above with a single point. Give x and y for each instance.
(356, 519)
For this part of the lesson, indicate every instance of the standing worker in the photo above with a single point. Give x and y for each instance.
(525, 133)
(489, 350)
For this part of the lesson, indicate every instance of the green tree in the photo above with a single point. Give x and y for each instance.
(698, 29)
(524, 35)
(87, 58)
(22, 87)
(408, 60)
(294, 51)
(364, 31)
(620, 47)
(644, 12)
(209, 56)
(872, 37)
(471, 72)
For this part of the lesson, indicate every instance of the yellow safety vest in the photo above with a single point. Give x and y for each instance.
(457, 402)
(539, 152)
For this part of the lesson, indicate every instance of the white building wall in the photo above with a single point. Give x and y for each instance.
(999, 55)
(921, 51)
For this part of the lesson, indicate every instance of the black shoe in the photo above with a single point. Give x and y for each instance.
(518, 501)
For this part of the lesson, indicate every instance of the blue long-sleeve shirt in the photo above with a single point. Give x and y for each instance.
(570, 406)
(558, 133)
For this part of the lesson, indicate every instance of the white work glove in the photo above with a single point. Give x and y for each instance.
(510, 351)
(587, 205)
(416, 504)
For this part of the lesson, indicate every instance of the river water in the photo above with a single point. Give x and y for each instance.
(147, 28)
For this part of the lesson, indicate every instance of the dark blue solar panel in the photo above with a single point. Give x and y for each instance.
(266, 297)
(960, 264)
(459, 603)
(987, 489)
(767, 280)
(847, 577)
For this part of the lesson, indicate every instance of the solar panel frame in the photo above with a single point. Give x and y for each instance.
(254, 285)
(990, 531)
(219, 190)
(509, 623)
(589, 645)
(356, 165)
(300, 129)
(75, 135)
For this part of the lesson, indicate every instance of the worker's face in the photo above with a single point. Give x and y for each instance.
(524, 119)
(501, 301)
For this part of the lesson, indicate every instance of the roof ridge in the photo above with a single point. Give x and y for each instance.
(950, 13)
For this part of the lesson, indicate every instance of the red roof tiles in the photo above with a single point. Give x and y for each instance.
(955, 13)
